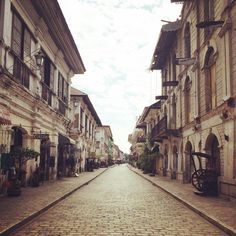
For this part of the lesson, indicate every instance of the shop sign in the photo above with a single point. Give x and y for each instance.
(40, 136)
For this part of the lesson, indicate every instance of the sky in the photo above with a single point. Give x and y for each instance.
(116, 40)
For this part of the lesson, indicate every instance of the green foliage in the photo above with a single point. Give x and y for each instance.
(24, 154)
(147, 161)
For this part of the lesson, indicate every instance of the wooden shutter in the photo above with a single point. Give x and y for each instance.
(17, 32)
(60, 85)
(27, 43)
(65, 91)
(52, 70)
(76, 121)
(213, 85)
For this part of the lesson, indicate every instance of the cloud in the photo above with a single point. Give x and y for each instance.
(116, 40)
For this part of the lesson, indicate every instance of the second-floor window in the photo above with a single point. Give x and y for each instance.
(86, 124)
(81, 119)
(47, 75)
(187, 41)
(187, 100)
(63, 87)
(21, 37)
(174, 112)
(21, 47)
(209, 14)
(210, 79)
(76, 121)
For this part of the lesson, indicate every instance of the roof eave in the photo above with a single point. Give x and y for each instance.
(51, 12)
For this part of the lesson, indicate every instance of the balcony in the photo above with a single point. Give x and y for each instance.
(160, 131)
(141, 139)
(46, 94)
(21, 72)
(62, 108)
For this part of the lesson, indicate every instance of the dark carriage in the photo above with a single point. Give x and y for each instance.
(204, 180)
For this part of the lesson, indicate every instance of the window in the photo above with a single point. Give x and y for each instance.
(81, 120)
(187, 41)
(47, 75)
(164, 79)
(86, 124)
(173, 67)
(63, 87)
(174, 112)
(210, 79)
(187, 100)
(76, 121)
(21, 47)
(209, 14)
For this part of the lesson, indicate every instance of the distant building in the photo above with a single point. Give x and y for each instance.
(85, 122)
(104, 144)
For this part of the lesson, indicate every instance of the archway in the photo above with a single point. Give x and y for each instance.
(44, 159)
(175, 163)
(165, 162)
(212, 148)
(188, 163)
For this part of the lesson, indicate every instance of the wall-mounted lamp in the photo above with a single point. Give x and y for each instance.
(39, 57)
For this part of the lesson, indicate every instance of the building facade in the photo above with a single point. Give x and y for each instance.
(34, 99)
(85, 122)
(197, 61)
(104, 144)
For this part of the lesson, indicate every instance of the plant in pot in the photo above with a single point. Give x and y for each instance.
(17, 176)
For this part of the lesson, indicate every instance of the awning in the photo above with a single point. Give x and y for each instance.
(5, 118)
(65, 140)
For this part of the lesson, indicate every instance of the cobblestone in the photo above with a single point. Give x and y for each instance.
(119, 203)
(14, 210)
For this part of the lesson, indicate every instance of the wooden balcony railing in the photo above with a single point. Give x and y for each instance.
(62, 108)
(160, 131)
(141, 139)
(46, 94)
(21, 72)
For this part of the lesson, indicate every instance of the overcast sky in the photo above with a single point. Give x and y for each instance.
(116, 40)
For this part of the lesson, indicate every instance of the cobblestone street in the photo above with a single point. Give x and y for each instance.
(119, 202)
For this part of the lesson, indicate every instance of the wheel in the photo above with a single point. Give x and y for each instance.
(198, 178)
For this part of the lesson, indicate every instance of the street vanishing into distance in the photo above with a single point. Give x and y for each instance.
(119, 202)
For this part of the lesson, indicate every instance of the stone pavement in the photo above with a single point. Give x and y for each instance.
(16, 211)
(217, 210)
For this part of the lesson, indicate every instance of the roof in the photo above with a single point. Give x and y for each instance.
(77, 93)
(166, 38)
(141, 123)
(108, 128)
(51, 13)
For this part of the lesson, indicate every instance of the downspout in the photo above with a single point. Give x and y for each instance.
(198, 65)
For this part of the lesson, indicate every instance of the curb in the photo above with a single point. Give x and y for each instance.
(209, 218)
(50, 205)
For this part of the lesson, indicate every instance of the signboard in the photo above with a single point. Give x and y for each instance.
(40, 136)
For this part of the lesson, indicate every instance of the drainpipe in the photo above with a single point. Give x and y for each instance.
(198, 66)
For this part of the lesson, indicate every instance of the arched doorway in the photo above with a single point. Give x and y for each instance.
(44, 159)
(165, 162)
(175, 163)
(17, 144)
(188, 163)
(212, 148)
(17, 137)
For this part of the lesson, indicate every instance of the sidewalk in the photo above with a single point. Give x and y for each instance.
(16, 211)
(219, 211)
